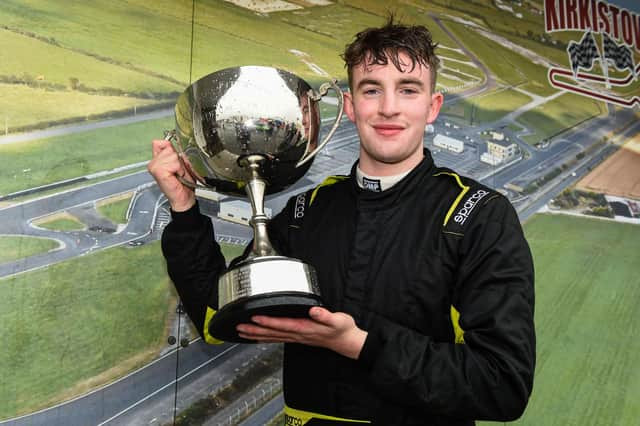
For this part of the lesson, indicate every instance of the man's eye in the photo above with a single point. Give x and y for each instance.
(370, 91)
(408, 91)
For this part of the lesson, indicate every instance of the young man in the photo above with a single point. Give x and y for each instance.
(426, 277)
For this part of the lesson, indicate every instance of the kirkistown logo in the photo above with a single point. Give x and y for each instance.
(618, 30)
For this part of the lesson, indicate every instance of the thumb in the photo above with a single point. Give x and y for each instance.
(320, 314)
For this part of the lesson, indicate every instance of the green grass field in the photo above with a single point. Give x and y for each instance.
(23, 105)
(74, 320)
(445, 84)
(116, 33)
(69, 223)
(514, 128)
(83, 153)
(487, 107)
(99, 43)
(80, 323)
(445, 50)
(508, 66)
(558, 114)
(466, 71)
(109, 29)
(78, 154)
(79, 184)
(587, 313)
(115, 210)
(505, 23)
(18, 247)
(55, 65)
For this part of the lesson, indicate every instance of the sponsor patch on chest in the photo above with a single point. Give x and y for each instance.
(469, 204)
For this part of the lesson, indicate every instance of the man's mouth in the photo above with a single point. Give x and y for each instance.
(388, 129)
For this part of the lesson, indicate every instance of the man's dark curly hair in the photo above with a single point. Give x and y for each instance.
(376, 46)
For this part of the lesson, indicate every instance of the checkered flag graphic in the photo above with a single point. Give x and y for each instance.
(619, 55)
(584, 53)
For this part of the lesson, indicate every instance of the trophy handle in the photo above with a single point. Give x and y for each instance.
(199, 189)
(322, 91)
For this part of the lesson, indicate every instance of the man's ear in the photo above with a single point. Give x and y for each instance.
(434, 109)
(348, 106)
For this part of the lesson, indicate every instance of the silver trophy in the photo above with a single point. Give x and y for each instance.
(252, 131)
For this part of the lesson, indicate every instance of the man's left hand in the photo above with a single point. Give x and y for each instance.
(336, 331)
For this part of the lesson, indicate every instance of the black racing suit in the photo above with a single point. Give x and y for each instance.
(437, 271)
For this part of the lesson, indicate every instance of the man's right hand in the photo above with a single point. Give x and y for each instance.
(165, 167)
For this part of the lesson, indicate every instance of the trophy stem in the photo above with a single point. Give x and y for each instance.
(255, 190)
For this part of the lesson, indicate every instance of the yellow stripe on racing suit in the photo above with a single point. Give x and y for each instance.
(207, 319)
(455, 320)
(293, 417)
(464, 188)
(330, 180)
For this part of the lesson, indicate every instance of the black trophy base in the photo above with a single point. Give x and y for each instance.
(281, 304)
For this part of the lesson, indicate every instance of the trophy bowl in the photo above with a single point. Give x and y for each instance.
(251, 131)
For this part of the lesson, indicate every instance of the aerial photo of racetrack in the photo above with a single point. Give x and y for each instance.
(93, 332)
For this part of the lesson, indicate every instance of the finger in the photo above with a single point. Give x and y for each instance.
(283, 327)
(263, 340)
(159, 145)
(322, 315)
(166, 159)
(277, 337)
(162, 167)
(289, 325)
(167, 153)
(270, 324)
(175, 164)
(265, 334)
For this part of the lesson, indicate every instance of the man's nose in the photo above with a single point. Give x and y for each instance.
(388, 105)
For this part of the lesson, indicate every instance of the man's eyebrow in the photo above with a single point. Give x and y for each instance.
(366, 81)
(408, 80)
(415, 81)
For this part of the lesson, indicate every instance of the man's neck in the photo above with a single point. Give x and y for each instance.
(377, 168)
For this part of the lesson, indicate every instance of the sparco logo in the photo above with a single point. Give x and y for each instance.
(462, 214)
(299, 209)
(292, 421)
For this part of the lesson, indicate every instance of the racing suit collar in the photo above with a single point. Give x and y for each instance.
(377, 183)
(391, 196)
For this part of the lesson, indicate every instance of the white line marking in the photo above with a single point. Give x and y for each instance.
(165, 386)
(117, 381)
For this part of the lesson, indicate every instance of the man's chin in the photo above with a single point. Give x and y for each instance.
(393, 163)
(395, 157)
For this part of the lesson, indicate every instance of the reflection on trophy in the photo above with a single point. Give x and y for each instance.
(253, 131)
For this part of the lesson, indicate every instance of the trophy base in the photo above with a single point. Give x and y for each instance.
(282, 304)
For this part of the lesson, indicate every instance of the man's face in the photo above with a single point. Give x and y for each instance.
(390, 109)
